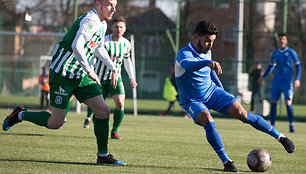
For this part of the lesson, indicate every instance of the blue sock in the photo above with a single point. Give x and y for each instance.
(290, 113)
(214, 139)
(273, 113)
(261, 124)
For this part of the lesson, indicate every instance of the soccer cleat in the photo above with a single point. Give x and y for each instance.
(114, 135)
(86, 123)
(109, 159)
(291, 129)
(288, 144)
(12, 119)
(230, 167)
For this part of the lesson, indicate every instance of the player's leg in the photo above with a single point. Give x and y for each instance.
(290, 115)
(118, 96)
(237, 111)
(90, 93)
(47, 100)
(89, 114)
(275, 95)
(59, 94)
(288, 95)
(41, 99)
(201, 116)
(118, 115)
(101, 129)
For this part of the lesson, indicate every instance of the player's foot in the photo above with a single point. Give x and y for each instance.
(12, 119)
(109, 159)
(288, 144)
(114, 135)
(86, 123)
(230, 167)
(291, 129)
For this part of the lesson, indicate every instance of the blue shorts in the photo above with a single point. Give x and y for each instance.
(281, 86)
(220, 101)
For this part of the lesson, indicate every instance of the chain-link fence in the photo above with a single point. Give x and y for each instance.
(160, 27)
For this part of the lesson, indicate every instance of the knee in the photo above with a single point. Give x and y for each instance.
(240, 114)
(102, 112)
(120, 106)
(56, 125)
(204, 117)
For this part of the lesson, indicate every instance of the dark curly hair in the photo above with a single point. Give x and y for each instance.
(205, 27)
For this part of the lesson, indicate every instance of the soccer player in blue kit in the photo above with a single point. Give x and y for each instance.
(201, 90)
(281, 60)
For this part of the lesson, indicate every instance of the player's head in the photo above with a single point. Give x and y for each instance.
(205, 34)
(105, 8)
(258, 65)
(282, 42)
(118, 27)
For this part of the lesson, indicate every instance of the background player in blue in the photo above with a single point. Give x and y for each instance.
(200, 90)
(281, 60)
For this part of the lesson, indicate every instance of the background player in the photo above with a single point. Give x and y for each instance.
(199, 94)
(281, 60)
(256, 87)
(118, 49)
(43, 80)
(70, 73)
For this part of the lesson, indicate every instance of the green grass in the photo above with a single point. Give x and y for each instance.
(151, 144)
(147, 107)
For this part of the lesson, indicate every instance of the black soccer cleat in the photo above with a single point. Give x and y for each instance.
(230, 167)
(86, 123)
(12, 119)
(288, 144)
(109, 159)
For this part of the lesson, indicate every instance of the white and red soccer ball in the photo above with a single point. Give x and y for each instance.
(259, 160)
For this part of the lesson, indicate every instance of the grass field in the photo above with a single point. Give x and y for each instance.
(151, 144)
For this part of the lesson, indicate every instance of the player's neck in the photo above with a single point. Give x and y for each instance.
(115, 38)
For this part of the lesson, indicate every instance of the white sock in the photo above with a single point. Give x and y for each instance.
(102, 154)
(281, 135)
(20, 115)
(87, 118)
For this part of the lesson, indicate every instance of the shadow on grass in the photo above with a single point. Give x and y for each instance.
(95, 164)
(34, 135)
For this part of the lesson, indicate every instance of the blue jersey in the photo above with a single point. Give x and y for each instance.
(282, 60)
(193, 76)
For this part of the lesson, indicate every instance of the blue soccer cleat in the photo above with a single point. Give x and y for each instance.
(109, 159)
(12, 119)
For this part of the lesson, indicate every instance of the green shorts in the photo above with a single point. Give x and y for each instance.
(107, 88)
(61, 89)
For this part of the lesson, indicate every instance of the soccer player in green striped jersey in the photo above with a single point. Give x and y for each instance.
(71, 74)
(118, 49)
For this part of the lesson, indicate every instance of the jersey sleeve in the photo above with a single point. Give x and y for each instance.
(295, 57)
(88, 26)
(127, 54)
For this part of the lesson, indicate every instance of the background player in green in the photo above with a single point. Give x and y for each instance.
(70, 74)
(118, 49)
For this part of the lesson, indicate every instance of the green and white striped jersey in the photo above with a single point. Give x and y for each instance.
(117, 51)
(64, 61)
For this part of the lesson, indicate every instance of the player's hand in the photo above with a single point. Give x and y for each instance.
(91, 74)
(133, 83)
(215, 66)
(296, 84)
(114, 79)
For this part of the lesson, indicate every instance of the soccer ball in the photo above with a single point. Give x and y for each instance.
(259, 160)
